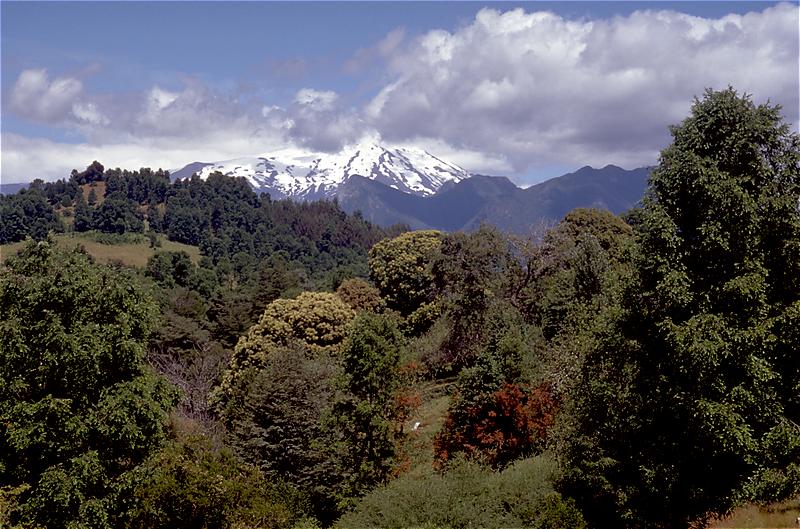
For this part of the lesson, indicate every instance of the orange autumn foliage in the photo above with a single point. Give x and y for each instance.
(512, 423)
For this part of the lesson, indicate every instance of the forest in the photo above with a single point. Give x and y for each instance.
(311, 369)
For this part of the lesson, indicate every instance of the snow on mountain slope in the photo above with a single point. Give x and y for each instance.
(300, 174)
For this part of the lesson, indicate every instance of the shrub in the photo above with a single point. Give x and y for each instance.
(470, 495)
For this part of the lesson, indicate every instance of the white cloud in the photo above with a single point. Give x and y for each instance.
(474, 161)
(27, 158)
(88, 113)
(161, 99)
(317, 121)
(317, 100)
(36, 97)
(538, 89)
(509, 93)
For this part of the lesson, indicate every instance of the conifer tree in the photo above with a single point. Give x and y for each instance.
(83, 215)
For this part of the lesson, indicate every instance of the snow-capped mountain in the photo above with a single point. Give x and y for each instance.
(304, 175)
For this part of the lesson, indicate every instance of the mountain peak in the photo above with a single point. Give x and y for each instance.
(310, 175)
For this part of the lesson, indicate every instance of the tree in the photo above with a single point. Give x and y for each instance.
(78, 405)
(319, 321)
(93, 173)
(470, 272)
(171, 269)
(117, 215)
(192, 484)
(400, 268)
(155, 220)
(27, 214)
(468, 494)
(364, 417)
(360, 295)
(500, 410)
(279, 427)
(690, 403)
(83, 216)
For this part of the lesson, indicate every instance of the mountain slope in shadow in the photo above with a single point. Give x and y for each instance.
(496, 200)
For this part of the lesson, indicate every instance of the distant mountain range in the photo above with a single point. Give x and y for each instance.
(391, 185)
(10, 189)
(495, 200)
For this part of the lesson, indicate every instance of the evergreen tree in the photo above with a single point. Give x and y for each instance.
(155, 220)
(691, 403)
(364, 417)
(83, 215)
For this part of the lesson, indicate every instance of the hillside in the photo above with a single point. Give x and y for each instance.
(128, 250)
(496, 200)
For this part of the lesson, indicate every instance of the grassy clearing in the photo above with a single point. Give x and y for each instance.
(780, 515)
(129, 250)
(99, 191)
(417, 450)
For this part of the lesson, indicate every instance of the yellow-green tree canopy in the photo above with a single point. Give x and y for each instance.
(360, 295)
(611, 232)
(317, 320)
(400, 267)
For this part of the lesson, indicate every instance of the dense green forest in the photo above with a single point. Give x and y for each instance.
(315, 370)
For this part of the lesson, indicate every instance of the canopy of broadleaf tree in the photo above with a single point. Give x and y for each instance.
(693, 402)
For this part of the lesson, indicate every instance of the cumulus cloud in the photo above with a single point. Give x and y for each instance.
(27, 158)
(536, 88)
(509, 93)
(36, 97)
(317, 121)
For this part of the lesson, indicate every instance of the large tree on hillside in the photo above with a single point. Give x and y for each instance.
(693, 402)
(78, 405)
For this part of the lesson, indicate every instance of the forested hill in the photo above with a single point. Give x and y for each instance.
(232, 226)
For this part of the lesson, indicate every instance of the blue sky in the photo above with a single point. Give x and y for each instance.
(525, 89)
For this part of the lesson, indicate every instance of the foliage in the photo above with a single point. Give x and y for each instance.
(581, 266)
(26, 214)
(497, 413)
(83, 216)
(360, 295)
(225, 218)
(400, 267)
(140, 187)
(192, 484)
(689, 402)
(318, 320)
(508, 425)
(365, 416)
(469, 495)
(279, 425)
(117, 215)
(78, 406)
(171, 269)
(470, 272)
(93, 173)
